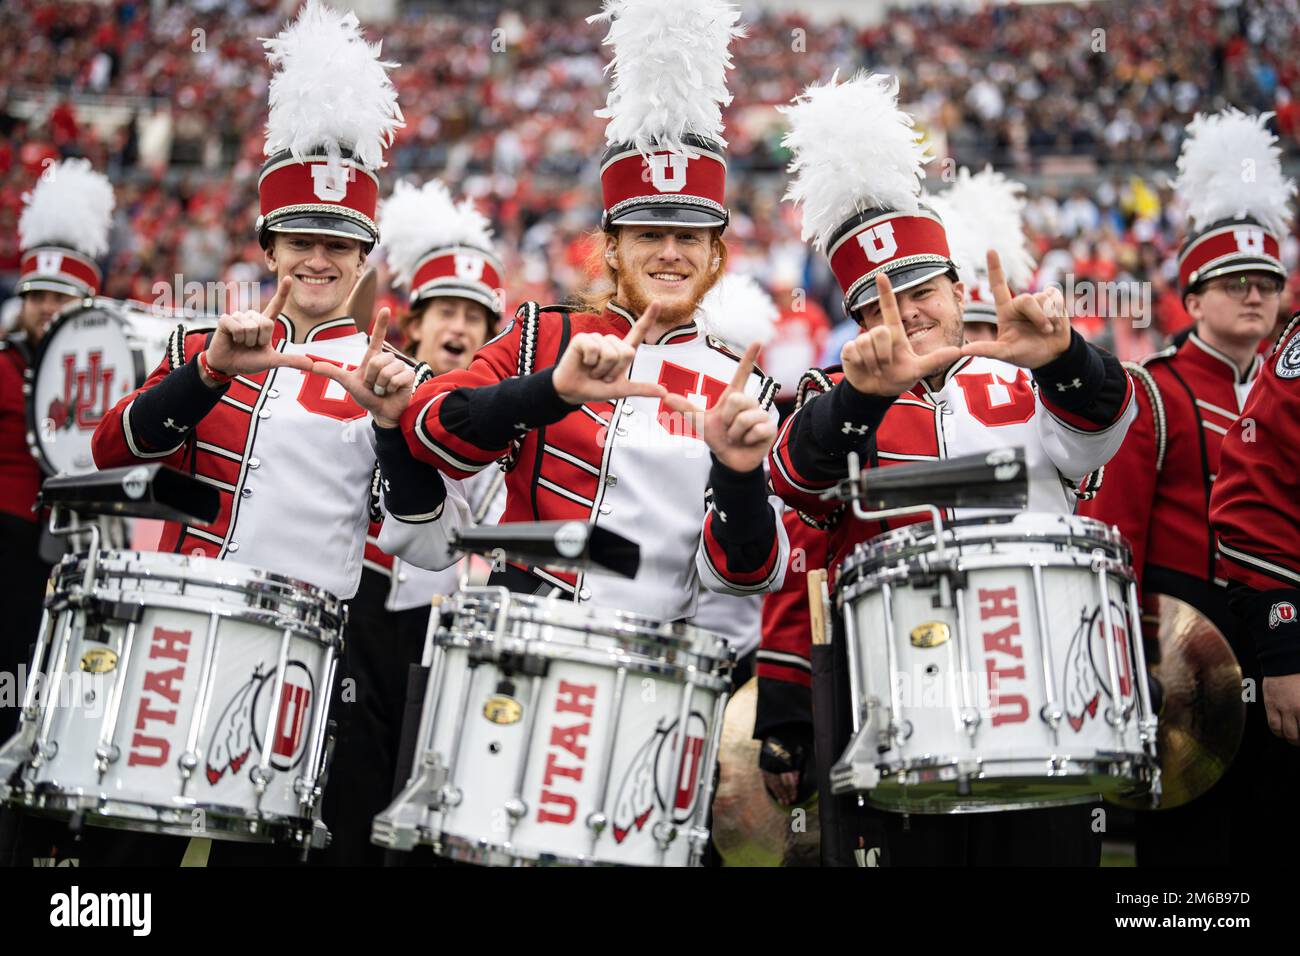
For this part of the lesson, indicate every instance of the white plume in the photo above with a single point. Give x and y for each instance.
(854, 149)
(330, 89)
(670, 71)
(1230, 167)
(739, 311)
(71, 205)
(982, 212)
(417, 219)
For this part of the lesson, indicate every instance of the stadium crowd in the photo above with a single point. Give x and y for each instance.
(1087, 103)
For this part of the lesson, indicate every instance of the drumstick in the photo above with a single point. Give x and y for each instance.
(817, 606)
(361, 303)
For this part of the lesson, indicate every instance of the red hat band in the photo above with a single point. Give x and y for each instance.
(58, 269)
(1232, 246)
(632, 183)
(462, 271)
(889, 242)
(289, 189)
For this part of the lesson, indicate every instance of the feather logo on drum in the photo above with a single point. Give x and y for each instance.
(650, 778)
(1086, 664)
(239, 731)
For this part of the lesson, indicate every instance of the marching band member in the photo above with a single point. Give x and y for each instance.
(980, 212)
(1157, 487)
(599, 409)
(909, 390)
(443, 258)
(248, 407)
(63, 229)
(1255, 507)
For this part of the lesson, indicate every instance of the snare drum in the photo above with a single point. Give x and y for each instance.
(178, 695)
(95, 353)
(555, 733)
(1002, 669)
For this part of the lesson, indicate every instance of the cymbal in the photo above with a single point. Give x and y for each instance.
(1202, 714)
(749, 827)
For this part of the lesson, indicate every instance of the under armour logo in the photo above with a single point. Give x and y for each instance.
(170, 423)
(852, 429)
(1066, 386)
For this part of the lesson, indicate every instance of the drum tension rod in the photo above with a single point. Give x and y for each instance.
(529, 665)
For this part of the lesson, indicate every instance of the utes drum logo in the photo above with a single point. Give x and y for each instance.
(878, 242)
(1283, 612)
(652, 773)
(1087, 669)
(86, 393)
(238, 734)
(667, 172)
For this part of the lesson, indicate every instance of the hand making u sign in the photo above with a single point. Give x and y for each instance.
(594, 366)
(382, 383)
(737, 429)
(1033, 329)
(881, 360)
(241, 344)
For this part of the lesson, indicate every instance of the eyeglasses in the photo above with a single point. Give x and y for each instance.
(1238, 287)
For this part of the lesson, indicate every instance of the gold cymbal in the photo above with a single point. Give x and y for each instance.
(1202, 714)
(749, 827)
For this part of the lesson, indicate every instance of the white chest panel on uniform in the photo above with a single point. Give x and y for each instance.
(302, 504)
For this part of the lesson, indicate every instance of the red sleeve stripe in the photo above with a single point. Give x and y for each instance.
(436, 439)
(757, 580)
(785, 465)
(787, 675)
(1259, 566)
(783, 659)
(1078, 422)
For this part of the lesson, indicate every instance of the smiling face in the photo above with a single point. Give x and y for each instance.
(39, 307)
(324, 270)
(673, 264)
(931, 314)
(446, 332)
(1235, 310)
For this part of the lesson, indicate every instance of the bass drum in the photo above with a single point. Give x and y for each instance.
(96, 352)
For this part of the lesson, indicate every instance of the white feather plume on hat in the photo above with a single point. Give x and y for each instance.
(981, 212)
(1230, 167)
(71, 205)
(739, 311)
(417, 219)
(331, 90)
(854, 150)
(670, 71)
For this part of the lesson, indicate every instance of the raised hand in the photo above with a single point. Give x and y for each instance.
(737, 429)
(382, 384)
(242, 343)
(881, 361)
(594, 367)
(1033, 329)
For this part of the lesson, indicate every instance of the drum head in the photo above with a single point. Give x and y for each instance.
(1025, 529)
(96, 352)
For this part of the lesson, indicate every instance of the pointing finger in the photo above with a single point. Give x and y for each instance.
(638, 331)
(746, 367)
(997, 281)
(688, 411)
(940, 359)
(379, 331)
(276, 305)
(888, 303)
